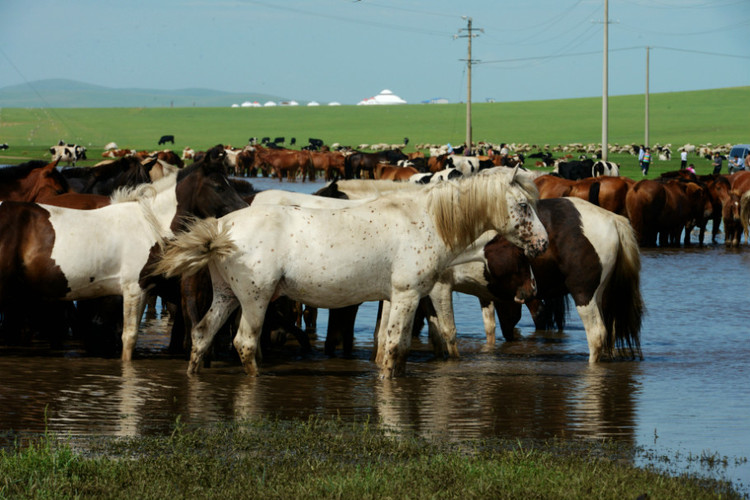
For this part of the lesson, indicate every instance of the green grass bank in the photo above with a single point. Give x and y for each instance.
(331, 459)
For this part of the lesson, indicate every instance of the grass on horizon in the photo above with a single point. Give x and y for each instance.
(708, 116)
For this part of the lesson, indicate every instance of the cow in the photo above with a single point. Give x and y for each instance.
(315, 143)
(602, 167)
(188, 153)
(279, 140)
(68, 153)
(118, 153)
(575, 170)
(165, 139)
(4, 145)
(293, 141)
(469, 165)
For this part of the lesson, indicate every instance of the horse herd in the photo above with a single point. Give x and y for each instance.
(224, 256)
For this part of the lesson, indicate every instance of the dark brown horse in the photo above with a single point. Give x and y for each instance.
(105, 179)
(359, 164)
(32, 181)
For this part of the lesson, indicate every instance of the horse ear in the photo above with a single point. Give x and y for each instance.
(149, 163)
(513, 175)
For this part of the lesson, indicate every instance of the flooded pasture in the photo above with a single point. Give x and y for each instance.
(688, 397)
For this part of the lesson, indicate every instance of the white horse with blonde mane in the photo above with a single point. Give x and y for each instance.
(392, 248)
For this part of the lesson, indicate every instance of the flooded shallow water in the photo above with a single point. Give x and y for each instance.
(689, 396)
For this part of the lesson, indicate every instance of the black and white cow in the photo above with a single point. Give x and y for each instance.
(4, 145)
(602, 167)
(575, 170)
(69, 153)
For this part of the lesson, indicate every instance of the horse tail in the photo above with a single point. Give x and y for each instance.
(622, 304)
(594, 193)
(745, 211)
(194, 249)
(553, 313)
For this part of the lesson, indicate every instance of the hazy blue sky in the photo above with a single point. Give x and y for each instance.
(346, 50)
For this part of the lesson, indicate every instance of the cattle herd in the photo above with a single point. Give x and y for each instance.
(663, 211)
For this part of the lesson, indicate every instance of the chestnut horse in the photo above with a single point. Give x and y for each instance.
(32, 181)
(386, 172)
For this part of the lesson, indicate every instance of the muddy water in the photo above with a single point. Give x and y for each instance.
(689, 395)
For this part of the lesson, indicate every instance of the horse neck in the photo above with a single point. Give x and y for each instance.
(165, 206)
(459, 216)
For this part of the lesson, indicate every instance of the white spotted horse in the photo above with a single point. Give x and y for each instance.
(392, 248)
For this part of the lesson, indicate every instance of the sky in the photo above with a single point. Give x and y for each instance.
(348, 50)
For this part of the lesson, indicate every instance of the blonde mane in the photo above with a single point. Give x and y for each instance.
(134, 193)
(461, 208)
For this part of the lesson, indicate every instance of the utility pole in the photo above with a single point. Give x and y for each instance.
(605, 84)
(647, 110)
(469, 34)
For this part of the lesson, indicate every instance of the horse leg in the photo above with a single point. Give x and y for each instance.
(378, 347)
(310, 315)
(341, 329)
(223, 304)
(133, 304)
(248, 335)
(596, 331)
(398, 333)
(443, 322)
(439, 347)
(488, 318)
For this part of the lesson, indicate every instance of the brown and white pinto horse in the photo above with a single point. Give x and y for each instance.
(32, 181)
(593, 256)
(56, 253)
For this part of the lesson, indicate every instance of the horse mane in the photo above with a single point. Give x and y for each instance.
(146, 190)
(9, 174)
(461, 207)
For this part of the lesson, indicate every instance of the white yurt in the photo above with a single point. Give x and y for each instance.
(384, 97)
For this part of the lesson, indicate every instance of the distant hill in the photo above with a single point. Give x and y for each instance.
(60, 93)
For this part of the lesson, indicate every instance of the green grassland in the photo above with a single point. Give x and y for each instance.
(710, 116)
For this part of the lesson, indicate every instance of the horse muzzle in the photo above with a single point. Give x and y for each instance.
(538, 246)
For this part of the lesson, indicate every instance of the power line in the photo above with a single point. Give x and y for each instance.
(597, 52)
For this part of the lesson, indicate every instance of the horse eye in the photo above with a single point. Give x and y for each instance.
(524, 206)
